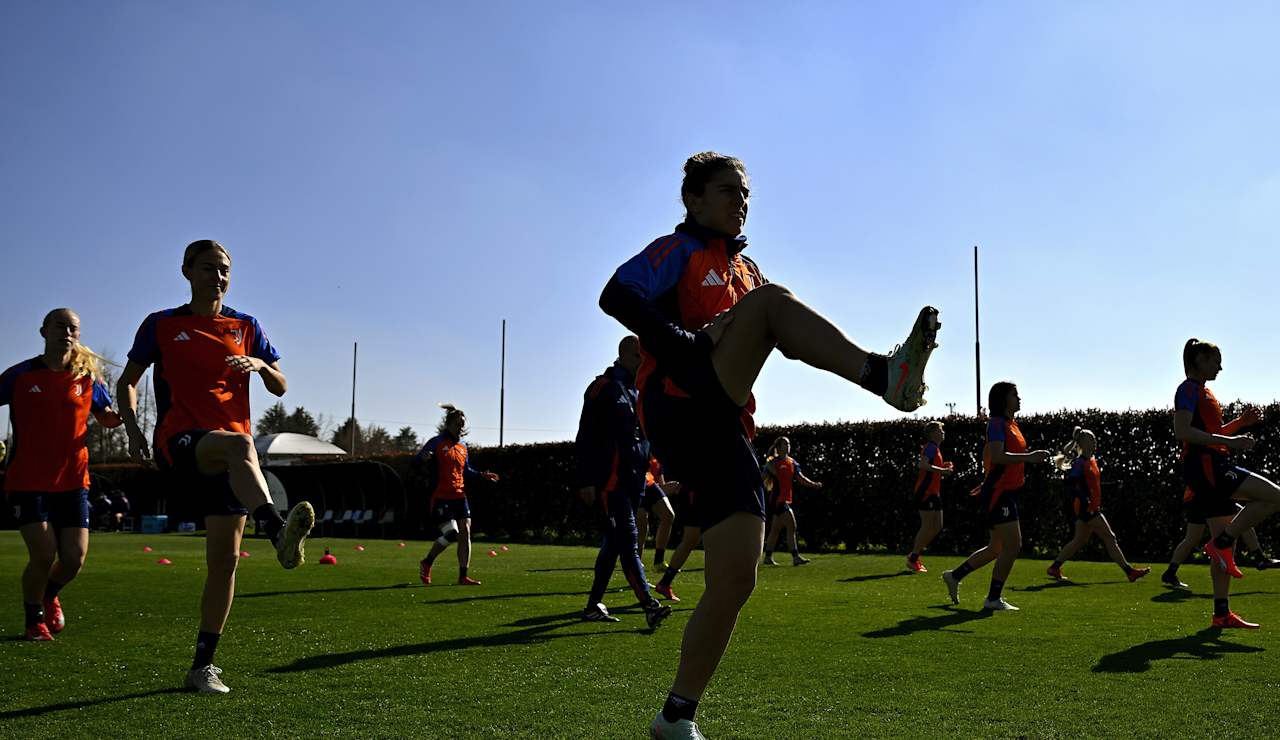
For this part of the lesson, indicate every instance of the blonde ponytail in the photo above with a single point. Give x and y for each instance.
(84, 362)
(1071, 450)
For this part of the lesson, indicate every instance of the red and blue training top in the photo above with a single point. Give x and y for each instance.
(50, 414)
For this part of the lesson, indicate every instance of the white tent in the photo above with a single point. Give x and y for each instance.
(286, 447)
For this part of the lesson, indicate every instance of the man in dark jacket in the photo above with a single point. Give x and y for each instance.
(612, 457)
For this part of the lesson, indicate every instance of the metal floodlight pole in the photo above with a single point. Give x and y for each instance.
(355, 353)
(977, 344)
(502, 387)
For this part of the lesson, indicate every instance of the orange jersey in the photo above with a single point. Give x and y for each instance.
(1001, 478)
(450, 467)
(929, 482)
(50, 414)
(653, 474)
(195, 388)
(785, 470)
(1084, 482)
(1206, 414)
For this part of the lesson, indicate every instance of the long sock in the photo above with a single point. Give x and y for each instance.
(768, 554)
(206, 645)
(914, 556)
(51, 589)
(1172, 570)
(997, 586)
(1126, 568)
(1058, 563)
(795, 552)
(659, 555)
(964, 570)
(462, 572)
(1220, 608)
(678, 708)
(268, 515)
(1224, 541)
(669, 577)
(35, 614)
(875, 374)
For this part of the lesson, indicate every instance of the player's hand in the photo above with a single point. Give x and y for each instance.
(491, 477)
(949, 469)
(587, 494)
(817, 485)
(715, 328)
(1241, 442)
(1252, 415)
(1041, 456)
(245, 363)
(139, 450)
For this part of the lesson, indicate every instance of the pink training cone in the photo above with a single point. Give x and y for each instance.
(164, 561)
(359, 548)
(146, 548)
(401, 544)
(244, 553)
(493, 553)
(506, 549)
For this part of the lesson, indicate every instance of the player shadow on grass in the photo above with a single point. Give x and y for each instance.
(911, 625)
(592, 568)
(1207, 644)
(1179, 595)
(82, 703)
(260, 594)
(875, 577)
(1050, 586)
(532, 630)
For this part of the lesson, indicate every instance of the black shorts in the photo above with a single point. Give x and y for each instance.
(208, 495)
(444, 509)
(61, 509)
(652, 495)
(1213, 480)
(702, 443)
(929, 503)
(1005, 510)
(778, 509)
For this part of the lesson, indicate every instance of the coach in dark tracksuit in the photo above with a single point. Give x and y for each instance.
(612, 456)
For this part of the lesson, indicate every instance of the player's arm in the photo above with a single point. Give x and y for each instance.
(631, 297)
(803, 480)
(1186, 432)
(997, 454)
(1251, 415)
(272, 376)
(127, 393)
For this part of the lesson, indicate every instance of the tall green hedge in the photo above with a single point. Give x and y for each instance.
(868, 470)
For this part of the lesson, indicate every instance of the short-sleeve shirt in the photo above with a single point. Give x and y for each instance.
(929, 482)
(1206, 414)
(785, 470)
(1085, 479)
(1012, 475)
(50, 413)
(195, 388)
(451, 467)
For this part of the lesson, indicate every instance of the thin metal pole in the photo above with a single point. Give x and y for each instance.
(502, 388)
(977, 344)
(355, 353)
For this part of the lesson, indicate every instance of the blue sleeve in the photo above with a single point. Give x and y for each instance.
(1077, 468)
(996, 430)
(1187, 397)
(261, 348)
(930, 452)
(796, 469)
(597, 436)
(7, 381)
(631, 298)
(146, 348)
(427, 449)
(468, 472)
(101, 398)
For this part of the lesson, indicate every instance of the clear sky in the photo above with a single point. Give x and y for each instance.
(408, 174)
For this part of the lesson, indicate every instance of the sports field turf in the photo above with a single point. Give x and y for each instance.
(848, 646)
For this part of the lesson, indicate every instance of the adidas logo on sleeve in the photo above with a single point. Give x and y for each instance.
(712, 279)
(182, 337)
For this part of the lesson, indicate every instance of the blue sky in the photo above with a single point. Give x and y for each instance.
(406, 175)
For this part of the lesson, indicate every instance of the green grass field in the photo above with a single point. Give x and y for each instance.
(848, 646)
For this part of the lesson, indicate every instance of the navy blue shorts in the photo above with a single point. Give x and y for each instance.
(1005, 510)
(652, 495)
(61, 509)
(929, 503)
(778, 509)
(1213, 480)
(444, 509)
(702, 443)
(207, 495)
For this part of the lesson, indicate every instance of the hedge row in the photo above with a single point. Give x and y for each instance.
(868, 470)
